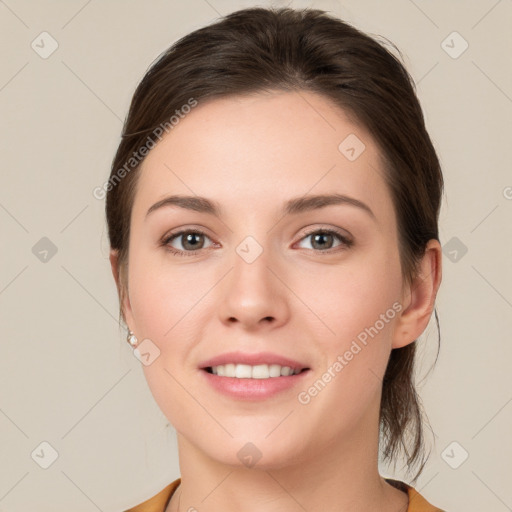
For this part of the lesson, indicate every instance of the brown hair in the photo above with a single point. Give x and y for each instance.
(257, 49)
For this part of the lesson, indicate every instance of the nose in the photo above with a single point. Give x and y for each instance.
(254, 295)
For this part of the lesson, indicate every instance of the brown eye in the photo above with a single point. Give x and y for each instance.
(322, 240)
(186, 241)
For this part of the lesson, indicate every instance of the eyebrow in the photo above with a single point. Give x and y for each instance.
(292, 206)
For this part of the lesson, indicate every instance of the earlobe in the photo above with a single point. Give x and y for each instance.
(420, 297)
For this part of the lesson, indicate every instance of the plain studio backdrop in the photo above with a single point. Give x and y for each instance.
(79, 429)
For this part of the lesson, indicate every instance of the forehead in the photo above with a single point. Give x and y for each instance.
(254, 151)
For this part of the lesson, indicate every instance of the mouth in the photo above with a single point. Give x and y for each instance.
(259, 371)
(253, 382)
(253, 376)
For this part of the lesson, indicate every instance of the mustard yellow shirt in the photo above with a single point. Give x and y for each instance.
(159, 502)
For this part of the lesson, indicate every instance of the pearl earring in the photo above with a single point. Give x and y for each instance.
(131, 339)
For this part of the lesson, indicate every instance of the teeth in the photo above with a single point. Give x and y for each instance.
(260, 371)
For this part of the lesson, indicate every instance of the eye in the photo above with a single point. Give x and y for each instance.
(322, 240)
(192, 242)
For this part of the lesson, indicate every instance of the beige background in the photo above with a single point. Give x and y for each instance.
(67, 376)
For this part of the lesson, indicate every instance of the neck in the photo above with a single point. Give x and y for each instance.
(339, 476)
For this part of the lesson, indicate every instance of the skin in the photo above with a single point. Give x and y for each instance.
(251, 154)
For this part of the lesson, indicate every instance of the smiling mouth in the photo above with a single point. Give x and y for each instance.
(260, 371)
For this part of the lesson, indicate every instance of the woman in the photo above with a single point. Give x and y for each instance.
(272, 213)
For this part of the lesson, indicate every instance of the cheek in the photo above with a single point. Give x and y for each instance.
(166, 304)
(162, 295)
(352, 296)
(358, 309)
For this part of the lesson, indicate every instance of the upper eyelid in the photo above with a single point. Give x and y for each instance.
(336, 231)
(183, 231)
(203, 230)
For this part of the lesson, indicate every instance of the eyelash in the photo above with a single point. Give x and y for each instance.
(342, 238)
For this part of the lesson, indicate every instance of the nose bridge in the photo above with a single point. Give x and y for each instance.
(252, 292)
(251, 261)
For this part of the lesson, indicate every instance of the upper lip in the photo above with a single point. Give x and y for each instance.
(252, 360)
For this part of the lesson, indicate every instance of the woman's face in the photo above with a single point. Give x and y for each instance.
(263, 280)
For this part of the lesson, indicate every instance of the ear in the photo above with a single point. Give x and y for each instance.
(418, 298)
(122, 291)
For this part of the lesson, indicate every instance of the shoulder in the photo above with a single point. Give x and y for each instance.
(159, 501)
(417, 503)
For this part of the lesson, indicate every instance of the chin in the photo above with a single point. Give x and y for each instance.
(257, 452)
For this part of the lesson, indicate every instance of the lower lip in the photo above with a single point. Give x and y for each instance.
(252, 389)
